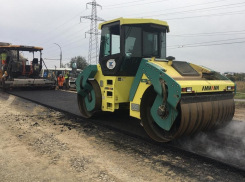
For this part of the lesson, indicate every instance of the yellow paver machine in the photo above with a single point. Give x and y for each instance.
(171, 98)
(19, 72)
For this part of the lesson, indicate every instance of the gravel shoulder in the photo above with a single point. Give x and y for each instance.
(40, 144)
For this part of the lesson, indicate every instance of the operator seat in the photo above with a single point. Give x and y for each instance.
(35, 61)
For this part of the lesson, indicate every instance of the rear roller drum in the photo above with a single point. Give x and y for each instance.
(192, 117)
(150, 126)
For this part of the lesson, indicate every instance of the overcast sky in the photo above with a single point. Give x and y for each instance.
(205, 32)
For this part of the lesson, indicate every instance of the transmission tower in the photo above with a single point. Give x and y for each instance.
(93, 39)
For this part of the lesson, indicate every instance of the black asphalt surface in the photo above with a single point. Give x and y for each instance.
(161, 156)
(220, 145)
(67, 101)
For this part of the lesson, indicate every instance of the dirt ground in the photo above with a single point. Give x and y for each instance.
(240, 111)
(40, 144)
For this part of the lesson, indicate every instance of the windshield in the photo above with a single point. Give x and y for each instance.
(110, 40)
(150, 43)
(133, 41)
(145, 42)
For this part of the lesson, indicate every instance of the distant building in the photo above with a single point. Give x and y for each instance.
(229, 73)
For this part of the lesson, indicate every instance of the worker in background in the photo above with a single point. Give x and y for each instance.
(4, 60)
(4, 77)
(61, 80)
(67, 75)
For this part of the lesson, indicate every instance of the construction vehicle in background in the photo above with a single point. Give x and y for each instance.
(19, 72)
(171, 98)
(47, 73)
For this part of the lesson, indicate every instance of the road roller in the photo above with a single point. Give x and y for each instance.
(171, 98)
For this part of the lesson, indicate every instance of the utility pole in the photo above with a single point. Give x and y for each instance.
(60, 54)
(93, 39)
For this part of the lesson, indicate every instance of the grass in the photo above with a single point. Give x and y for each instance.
(240, 95)
(240, 90)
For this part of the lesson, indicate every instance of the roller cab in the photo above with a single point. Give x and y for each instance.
(172, 98)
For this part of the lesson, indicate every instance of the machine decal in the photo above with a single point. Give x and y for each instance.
(111, 64)
(204, 88)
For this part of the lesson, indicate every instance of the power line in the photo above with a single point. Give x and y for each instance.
(120, 4)
(209, 15)
(62, 33)
(168, 9)
(59, 26)
(114, 5)
(210, 34)
(65, 31)
(62, 15)
(80, 40)
(124, 3)
(72, 48)
(72, 35)
(184, 46)
(198, 16)
(138, 4)
(207, 42)
(176, 12)
(204, 9)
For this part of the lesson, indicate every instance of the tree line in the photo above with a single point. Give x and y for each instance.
(236, 77)
(80, 62)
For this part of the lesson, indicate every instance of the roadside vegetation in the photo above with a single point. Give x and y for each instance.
(240, 90)
(240, 95)
(236, 77)
(80, 62)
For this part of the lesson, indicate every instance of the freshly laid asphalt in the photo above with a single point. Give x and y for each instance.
(67, 101)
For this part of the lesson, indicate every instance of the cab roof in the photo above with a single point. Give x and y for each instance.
(124, 21)
(21, 48)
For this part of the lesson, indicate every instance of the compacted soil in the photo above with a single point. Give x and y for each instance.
(40, 144)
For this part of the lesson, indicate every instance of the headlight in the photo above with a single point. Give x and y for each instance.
(230, 87)
(187, 89)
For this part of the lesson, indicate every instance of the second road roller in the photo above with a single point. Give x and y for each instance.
(171, 98)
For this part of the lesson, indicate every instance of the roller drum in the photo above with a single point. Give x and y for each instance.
(205, 116)
(203, 112)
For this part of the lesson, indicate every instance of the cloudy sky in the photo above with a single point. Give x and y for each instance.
(204, 32)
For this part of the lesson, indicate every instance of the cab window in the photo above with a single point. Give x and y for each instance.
(132, 41)
(150, 43)
(110, 40)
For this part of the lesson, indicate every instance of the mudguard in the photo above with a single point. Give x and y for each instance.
(82, 85)
(157, 76)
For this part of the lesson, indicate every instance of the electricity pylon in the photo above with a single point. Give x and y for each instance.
(93, 39)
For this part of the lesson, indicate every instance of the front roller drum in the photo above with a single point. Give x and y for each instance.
(90, 103)
(194, 116)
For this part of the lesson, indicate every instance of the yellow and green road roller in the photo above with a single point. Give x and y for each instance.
(171, 98)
